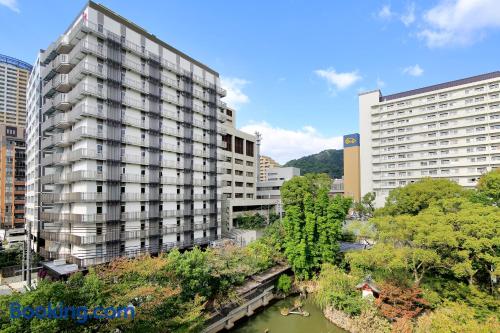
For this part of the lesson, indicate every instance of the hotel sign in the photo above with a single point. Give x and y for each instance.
(351, 140)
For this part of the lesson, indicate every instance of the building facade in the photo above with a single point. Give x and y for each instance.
(239, 180)
(265, 164)
(14, 76)
(33, 152)
(131, 139)
(12, 177)
(352, 181)
(450, 130)
(270, 189)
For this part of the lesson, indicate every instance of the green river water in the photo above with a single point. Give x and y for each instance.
(271, 319)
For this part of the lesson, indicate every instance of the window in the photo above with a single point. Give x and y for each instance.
(238, 145)
(249, 148)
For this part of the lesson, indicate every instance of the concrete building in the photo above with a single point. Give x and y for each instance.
(265, 164)
(14, 76)
(337, 187)
(33, 152)
(130, 150)
(449, 130)
(270, 189)
(352, 181)
(12, 177)
(239, 180)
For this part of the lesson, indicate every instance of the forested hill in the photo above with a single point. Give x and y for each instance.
(330, 161)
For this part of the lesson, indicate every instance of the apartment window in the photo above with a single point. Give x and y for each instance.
(249, 148)
(228, 140)
(249, 163)
(238, 145)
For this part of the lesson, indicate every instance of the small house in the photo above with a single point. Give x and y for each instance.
(368, 288)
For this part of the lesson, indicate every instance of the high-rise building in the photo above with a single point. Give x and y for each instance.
(14, 76)
(131, 136)
(265, 164)
(449, 130)
(33, 152)
(352, 186)
(12, 176)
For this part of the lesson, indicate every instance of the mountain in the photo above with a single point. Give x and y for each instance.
(330, 161)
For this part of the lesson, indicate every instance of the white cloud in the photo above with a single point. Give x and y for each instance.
(339, 80)
(385, 12)
(11, 4)
(284, 144)
(409, 16)
(459, 22)
(414, 70)
(234, 86)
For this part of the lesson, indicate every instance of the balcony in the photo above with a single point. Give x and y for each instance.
(79, 197)
(140, 196)
(84, 89)
(86, 67)
(172, 99)
(77, 218)
(76, 176)
(171, 181)
(61, 102)
(59, 83)
(83, 48)
(60, 64)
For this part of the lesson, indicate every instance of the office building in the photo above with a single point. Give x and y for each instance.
(270, 189)
(239, 179)
(131, 136)
(265, 164)
(352, 182)
(449, 130)
(12, 177)
(14, 76)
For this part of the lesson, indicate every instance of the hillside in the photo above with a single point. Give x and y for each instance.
(330, 161)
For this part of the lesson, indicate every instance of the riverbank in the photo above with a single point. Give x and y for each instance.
(271, 319)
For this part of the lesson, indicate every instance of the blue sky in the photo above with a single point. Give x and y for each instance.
(294, 69)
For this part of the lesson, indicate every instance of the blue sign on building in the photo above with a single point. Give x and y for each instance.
(351, 140)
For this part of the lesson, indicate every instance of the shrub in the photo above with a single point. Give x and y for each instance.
(338, 289)
(284, 284)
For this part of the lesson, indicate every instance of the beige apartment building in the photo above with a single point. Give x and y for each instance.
(266, 163)
(14, 76)
(449, 130)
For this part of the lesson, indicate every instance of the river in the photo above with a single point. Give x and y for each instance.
(271, 319)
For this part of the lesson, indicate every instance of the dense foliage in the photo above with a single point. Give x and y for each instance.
(251, 221)
(312, 223)
(436, 251)
(171, 293)
(330, 161)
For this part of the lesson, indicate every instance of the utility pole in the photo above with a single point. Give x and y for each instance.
(28, 254)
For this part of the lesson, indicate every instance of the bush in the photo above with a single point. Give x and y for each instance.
(338, 290)
(284, 284)
(456, 317)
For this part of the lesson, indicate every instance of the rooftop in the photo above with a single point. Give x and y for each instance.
(15, 62)
(440, 86)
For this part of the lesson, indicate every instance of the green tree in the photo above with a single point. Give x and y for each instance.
(415, 197)
(488, 188)
(312, 223)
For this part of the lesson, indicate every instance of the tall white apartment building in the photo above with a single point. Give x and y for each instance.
(33, 151)
(131, 136)
(449, 130)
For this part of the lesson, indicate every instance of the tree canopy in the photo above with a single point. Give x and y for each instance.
(312, 224)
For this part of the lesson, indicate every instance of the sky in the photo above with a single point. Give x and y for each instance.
(293, 69)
